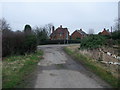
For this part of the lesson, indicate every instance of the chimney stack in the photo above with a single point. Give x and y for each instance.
(53, 29)
(111, 29)
(80, 29)
(60, 26)
(104, 29)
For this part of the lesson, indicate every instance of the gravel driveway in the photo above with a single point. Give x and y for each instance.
(58, 70)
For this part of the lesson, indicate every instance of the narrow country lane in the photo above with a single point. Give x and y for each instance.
(58, 70)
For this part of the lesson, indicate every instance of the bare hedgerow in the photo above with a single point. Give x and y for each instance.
(16, 42)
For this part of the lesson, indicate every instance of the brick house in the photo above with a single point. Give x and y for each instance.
(104, 32)
(59, 34)
(78, 34)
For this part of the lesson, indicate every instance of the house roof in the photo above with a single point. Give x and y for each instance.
(59, 30)
(105, 32)
(81, 32)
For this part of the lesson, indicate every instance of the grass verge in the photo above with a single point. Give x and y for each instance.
(101, 72)
(16, 68)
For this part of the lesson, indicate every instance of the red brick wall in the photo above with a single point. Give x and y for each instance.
(58, 36)
(105, 33)
(62, 36)
(76, 35)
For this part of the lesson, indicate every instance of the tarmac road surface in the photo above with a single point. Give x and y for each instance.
(58, 70)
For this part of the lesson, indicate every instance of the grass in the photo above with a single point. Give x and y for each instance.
(17, 68)
(97, 69)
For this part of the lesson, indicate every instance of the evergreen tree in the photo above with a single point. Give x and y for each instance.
(27, 29)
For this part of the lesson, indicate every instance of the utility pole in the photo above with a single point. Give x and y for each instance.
(67, 37)
(119, 15)
(111, 29)
(118, 25)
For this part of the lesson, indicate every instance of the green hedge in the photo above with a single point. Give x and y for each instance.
(59, 42)
(93, 41)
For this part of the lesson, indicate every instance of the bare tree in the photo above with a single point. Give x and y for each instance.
(48, 27)
(4, 25)
(117, 25)
(41, 34)
(91, 31)
(6, 36)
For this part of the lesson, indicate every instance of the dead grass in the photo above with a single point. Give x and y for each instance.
(93, 66)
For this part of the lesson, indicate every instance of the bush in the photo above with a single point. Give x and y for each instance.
(116, 36)
(7, 42)
(41, 34)
(92, 41)
(30, 43)
(15, 43)
(27, 29)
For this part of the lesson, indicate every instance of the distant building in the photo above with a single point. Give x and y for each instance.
(59, 34)
(104, 32)
(78, 34)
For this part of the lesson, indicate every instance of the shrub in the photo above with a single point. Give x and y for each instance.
(30, 43)
(41, 34)
(15, 43)
(27, 29)
(7, 42)
(116, 36)
(92, 41)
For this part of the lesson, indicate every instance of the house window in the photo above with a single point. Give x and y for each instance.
(60, 34)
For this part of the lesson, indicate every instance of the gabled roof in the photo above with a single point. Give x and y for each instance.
(105, 32)
(81, 32)
(59, 30)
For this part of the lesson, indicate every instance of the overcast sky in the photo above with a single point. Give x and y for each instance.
(73, 15)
